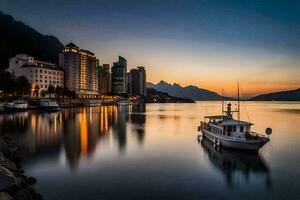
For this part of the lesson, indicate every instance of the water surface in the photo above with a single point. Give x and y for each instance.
(152, 152)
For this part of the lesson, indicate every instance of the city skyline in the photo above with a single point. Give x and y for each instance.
(191, 43)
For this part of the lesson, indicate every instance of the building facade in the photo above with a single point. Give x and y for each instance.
(136, 81)
(104, 79)
(81, 71)
(40, 74)
(118, 76)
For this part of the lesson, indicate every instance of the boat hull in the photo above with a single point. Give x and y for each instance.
(49, 106)
(51, 109)
(12, 107)
(252, 146)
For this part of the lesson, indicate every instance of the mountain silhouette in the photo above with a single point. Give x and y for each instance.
(17, 37)
(290, 95)
(190, 92)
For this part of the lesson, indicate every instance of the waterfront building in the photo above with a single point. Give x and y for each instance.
(104, 80)
(136, 81)
(118, 76)
(39, 73)
(81, 71)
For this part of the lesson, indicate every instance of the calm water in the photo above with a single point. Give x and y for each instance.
(152, 152)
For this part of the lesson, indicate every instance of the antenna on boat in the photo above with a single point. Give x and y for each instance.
(238, 85)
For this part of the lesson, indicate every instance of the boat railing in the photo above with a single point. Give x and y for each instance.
(204, 125)
(256, 135)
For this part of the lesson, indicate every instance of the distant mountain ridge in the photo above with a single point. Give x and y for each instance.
(154, 96)
(189, 92)
(16, 37)
(290, 95)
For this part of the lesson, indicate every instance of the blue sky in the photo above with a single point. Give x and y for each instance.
(188, 42)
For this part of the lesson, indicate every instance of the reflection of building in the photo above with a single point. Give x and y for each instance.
(118, 76)
(136, 81)
(35, 133)
(104, 79)
(231, 162)
(81, 71)
(76, 132)
(71, 139)
(84, 129)
(119, 128)
(138, 119)
(39, 73)
(137, 115)
(9, 123)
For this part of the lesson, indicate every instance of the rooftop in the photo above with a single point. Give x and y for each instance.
(71, 45)
(233, 122)
(215, 117)
(42, 64)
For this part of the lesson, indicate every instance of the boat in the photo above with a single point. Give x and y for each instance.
(90, 103)
(49, 105)
(123, 102)
(225, 131)
(16, 106)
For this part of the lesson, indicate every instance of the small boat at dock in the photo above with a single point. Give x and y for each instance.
(16, 106)
(91, 103)
(49, 105)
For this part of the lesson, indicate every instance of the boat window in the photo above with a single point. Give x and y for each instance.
(234, 128)
(242, 129)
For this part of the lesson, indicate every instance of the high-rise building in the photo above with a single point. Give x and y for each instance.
(39, 73)
(136, 81)
(81, 71)
(118, 76)
(104, 79)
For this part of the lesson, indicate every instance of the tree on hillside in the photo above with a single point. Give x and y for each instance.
(50, 90)
(36, 91)
(58, 91)
(6, 83)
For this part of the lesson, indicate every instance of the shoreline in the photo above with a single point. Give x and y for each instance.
(14, 184)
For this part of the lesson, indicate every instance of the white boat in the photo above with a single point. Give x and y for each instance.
(123, 102)
(225, 131)
(16, 106)
(90, 103)
(49, 105)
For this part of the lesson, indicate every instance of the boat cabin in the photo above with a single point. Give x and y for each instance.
(223, 125)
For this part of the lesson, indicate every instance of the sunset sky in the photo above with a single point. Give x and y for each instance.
(207, 43)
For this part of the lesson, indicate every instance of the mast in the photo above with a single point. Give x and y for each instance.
(238, 101)
(222, 101)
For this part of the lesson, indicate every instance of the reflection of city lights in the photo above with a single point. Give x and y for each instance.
(106, 119)
(91, 115)
(83, 133)
(55, 124)
(33, 121)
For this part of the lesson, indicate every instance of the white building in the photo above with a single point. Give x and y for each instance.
(39, 73)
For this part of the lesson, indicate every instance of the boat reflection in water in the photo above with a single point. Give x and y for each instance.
(75, 133)
(237, 166)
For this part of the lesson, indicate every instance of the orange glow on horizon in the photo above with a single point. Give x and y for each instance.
(247, 89)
